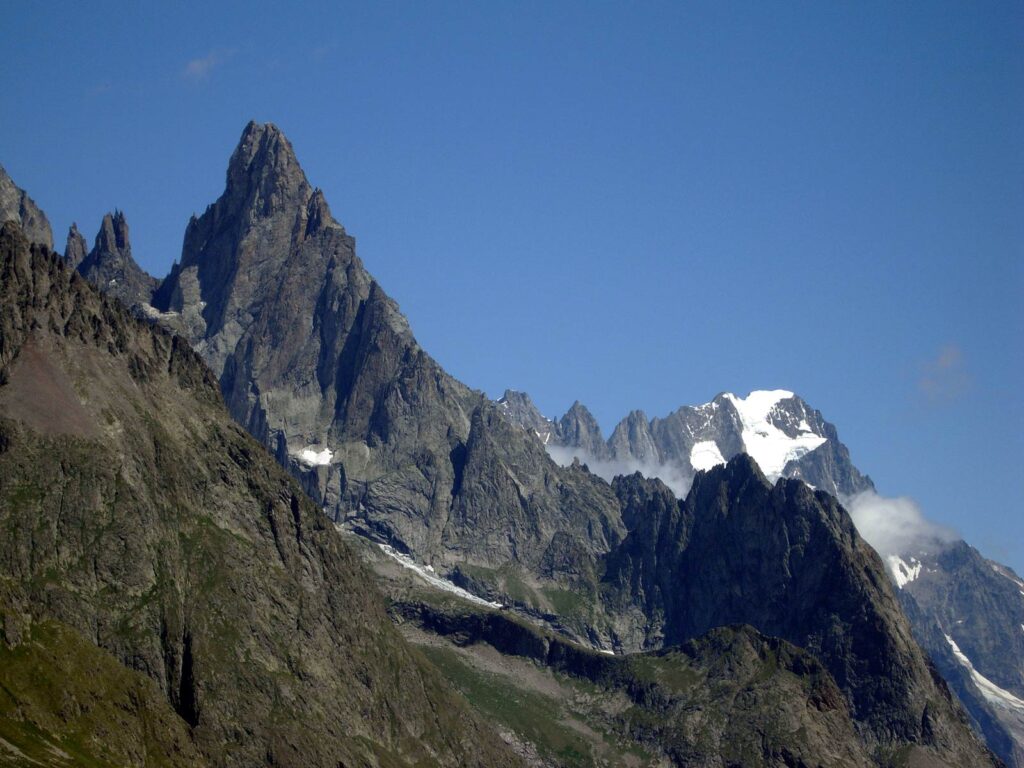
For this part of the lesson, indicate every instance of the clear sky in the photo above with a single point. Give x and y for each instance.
(637, 205)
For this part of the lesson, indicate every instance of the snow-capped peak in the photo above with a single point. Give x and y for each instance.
(768, 445)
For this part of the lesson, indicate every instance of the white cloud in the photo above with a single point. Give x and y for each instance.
(895, 526)
(200, 68)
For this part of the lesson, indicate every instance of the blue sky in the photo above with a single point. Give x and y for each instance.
(635, 205)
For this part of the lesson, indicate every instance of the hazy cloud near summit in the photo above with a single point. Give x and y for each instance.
(894, 526)
(607, 470)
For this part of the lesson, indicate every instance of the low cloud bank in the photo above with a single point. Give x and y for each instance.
(671, 476)
(894, 526)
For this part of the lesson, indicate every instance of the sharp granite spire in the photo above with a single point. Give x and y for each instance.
(76, 249)
(110, 265)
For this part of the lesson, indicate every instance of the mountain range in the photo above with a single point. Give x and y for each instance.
(246, 611)
(966, 611)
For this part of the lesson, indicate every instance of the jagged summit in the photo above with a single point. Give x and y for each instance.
(268, 230)
(264, 171)
(315, 359)
(113, 234)
(783, 434)
(110, 265)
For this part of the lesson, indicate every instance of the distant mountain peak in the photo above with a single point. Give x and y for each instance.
(783, 434)
(113, 234)
(110, 265)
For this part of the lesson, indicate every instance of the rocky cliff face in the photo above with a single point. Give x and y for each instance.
(968, 613)
(110, 266)
(16, 205)
(318, 362)
(200, 609)
(978, 603)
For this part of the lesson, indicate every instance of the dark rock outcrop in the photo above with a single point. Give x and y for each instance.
(788, 561)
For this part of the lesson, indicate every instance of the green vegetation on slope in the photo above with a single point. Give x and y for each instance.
(63, 702)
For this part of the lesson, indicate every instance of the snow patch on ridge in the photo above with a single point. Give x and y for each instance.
(426, 572)
(765, 443)
(1002, 572)
(705, 455)
(902, 573)
(314, 458)
(991, 691)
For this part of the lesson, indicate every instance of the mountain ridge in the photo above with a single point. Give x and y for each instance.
(317, 362)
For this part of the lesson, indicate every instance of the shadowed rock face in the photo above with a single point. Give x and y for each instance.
(110, 266)
(16, 205)
(221, 618)
(788, 561)
(729, 697)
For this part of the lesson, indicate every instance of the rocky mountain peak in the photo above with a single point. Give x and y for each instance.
(76, 249)
(521, 406)
(578, 427)
(632, 437)
(110, 266)
(264, 173)
(785, 436)
(15, 204)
